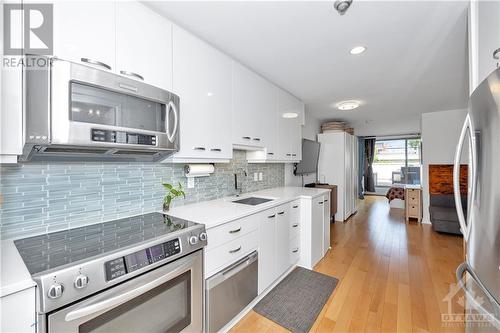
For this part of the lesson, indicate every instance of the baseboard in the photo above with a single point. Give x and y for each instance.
(250, 306)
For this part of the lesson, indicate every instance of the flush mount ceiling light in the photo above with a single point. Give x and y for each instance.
(348, 105)
(290, 115)
(357, 50)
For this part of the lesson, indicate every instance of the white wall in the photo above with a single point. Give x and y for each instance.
(440, 133)
(309, 131)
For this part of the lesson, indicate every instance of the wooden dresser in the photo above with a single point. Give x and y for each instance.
(413, 202)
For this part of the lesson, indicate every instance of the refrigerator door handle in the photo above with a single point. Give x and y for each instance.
(466, 129)
(461, 269)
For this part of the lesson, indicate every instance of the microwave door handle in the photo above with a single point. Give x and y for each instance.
(456, 180)
(121, 298)
(461, 270)
(171, 107)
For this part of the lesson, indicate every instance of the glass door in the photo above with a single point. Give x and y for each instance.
(397, 161)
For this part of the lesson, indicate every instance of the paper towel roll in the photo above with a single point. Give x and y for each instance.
(198, 170)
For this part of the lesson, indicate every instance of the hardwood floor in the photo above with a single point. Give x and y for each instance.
(393, 276)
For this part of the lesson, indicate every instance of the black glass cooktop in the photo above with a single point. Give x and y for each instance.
(45, 252)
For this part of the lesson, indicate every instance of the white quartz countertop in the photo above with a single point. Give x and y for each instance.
(216, 212)
(14, 275)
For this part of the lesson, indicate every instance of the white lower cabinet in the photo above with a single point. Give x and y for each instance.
(314, 230)
(326, 223)
(17, 312)
(267, 257)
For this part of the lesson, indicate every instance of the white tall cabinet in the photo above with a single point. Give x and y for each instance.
(484, 40)
(338, 165)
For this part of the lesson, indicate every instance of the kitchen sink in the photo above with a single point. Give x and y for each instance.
(253, 201)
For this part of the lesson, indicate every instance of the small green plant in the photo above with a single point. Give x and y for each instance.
(172, 194)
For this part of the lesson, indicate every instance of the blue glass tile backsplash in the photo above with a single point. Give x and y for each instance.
(45, 197)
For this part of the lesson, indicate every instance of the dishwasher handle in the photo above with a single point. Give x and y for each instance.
(231, 270)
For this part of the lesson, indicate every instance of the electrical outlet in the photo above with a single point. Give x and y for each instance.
(255, 177)
(190, 182)
(260, 176)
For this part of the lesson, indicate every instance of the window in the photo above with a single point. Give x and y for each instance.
(397, 161)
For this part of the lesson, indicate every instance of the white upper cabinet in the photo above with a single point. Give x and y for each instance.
(143, 44)
(84, 31)
(203, 81)
(289, 129)
(484, 40)
(254, 105)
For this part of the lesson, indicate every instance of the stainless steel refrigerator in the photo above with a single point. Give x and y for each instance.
(479, 275)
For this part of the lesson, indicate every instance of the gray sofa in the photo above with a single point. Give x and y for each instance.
(443, 213)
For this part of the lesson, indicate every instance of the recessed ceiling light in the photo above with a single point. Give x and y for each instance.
(290, 115)
(358, 50)
(348, 105)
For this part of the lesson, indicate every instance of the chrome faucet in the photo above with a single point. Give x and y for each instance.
(238, 189)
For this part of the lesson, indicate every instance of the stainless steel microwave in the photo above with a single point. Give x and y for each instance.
(77, 112)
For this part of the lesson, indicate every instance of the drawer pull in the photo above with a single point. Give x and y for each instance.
(271, 216)
(297, 206)
(281, 213)
(246, 138)
(295, 225)
(270, 154)
(321, 202)
(256, 139)
(325, 201)
(216, 149)
(199, 148)
(235, 230)
(235, 250)
(295, 250)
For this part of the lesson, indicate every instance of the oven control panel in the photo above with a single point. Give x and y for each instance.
(137, 260)
(100, 135)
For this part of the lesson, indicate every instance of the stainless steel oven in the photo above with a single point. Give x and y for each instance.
(73, 110)
(137, 274)
(167, 299)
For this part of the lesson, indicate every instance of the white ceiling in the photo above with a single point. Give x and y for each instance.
(416, 58)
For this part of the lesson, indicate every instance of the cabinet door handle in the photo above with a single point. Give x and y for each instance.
(281, 213)
(294, 155)
(270, 153)
(295, 225)
(235, 250)
(140, 77)
(496, 54)
(325, 201)
(295, 250)
(271, 216)
(256, 139)
(216, 149)
(235, 231)
(199, 148)
(321, 202)
(288, 154)
(246, 138)
(96, 63)
(295, 206)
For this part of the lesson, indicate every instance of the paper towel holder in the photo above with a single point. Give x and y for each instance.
(199, 170)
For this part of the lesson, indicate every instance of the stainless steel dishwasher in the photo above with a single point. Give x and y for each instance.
(230, 291)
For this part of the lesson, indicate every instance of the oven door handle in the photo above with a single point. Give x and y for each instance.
(117, 300)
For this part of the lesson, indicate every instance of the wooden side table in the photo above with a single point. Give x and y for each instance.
(413, 202)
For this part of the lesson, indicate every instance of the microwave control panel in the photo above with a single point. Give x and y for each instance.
(100, 135)
(137, 260)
